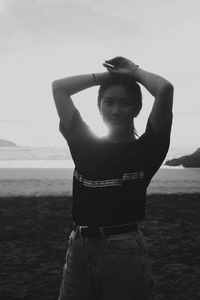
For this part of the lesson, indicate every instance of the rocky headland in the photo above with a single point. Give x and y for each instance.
(187, 161)
(6, 143)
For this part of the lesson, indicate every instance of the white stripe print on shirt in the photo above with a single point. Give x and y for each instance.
(109, 182)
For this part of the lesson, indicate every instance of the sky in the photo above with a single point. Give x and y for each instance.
(43, 40)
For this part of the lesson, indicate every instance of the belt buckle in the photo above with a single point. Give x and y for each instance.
(101, 231)
(80, 229)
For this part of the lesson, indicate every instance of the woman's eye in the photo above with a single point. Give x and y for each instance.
(107, 102)
(125, 103)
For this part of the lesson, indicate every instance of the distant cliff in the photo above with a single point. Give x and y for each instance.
(6, 143)
(187, 161)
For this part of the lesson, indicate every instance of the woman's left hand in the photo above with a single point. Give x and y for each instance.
(120, 65)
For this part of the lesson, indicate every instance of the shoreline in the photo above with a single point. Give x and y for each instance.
(68, 197)
(57, 171)
(58, 182)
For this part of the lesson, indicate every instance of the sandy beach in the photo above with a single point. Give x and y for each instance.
(34, 233)
(36, 182)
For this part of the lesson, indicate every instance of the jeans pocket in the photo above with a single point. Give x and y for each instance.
(122, 244)
(145, 261)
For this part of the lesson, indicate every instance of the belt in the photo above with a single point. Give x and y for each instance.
(93, 231)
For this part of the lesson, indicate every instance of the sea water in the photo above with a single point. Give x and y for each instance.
(43, 171)
(53, 157)
(35, 157)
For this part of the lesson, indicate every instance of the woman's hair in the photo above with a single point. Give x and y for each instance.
(132, 87)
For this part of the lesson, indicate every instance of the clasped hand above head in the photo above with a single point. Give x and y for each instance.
(120, 65)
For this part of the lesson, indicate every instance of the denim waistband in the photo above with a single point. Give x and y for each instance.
(105, 231)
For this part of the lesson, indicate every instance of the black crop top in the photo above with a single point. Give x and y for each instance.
(110, 179)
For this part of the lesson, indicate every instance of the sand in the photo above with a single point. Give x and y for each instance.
(34, 233)
(36, 182)
(35, 173)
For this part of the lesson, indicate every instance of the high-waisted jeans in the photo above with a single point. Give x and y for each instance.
(114, 268)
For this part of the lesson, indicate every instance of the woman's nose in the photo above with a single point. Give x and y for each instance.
(116, 110)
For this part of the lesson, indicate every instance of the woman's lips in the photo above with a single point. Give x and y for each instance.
(115, 120)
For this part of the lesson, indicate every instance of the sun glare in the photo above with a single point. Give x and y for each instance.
(90, 113)
(98, 128)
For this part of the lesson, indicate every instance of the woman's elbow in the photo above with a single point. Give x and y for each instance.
(54, 85)
(57, 88)
(167, 90)
(168, 86)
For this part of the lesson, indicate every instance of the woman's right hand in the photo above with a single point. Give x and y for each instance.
(120, 66)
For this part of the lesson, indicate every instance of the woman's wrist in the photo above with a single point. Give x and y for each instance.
(99, 78)
(135, 72)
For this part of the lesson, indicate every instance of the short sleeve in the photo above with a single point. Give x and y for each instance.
(156, 147)
(76, 135)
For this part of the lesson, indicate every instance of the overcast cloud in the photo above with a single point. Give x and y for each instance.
(41, 40)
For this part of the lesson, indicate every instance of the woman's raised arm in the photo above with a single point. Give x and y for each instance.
(159, 87)
(162, 90)
(64, 88)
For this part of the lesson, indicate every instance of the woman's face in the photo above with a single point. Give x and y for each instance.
(117, 108)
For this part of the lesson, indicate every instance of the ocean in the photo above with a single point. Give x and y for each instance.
(54, 157)
(48, 171)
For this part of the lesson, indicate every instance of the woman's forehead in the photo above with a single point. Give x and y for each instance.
(117, 90)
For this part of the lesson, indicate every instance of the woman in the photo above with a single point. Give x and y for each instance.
(107, 257)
